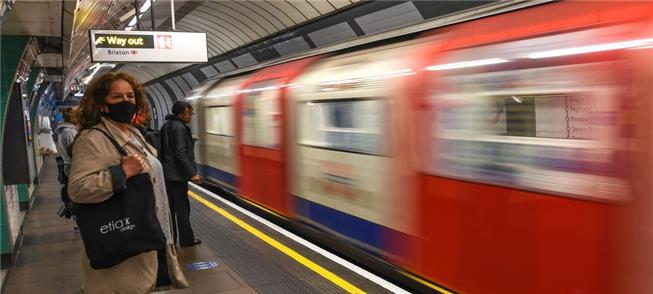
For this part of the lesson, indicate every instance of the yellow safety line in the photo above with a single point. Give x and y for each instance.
(427, 283)
(283, 248)
(270, 211)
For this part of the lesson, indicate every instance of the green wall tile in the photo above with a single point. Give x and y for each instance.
(11, 49)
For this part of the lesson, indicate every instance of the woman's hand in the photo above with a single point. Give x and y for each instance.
(132, 165)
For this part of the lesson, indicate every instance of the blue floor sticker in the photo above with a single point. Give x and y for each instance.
(202, 265)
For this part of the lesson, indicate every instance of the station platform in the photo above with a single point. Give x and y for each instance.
(238, 254)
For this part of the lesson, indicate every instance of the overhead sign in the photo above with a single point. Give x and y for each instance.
(147, 46)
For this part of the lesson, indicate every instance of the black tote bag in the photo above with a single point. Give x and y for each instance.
(122, 226)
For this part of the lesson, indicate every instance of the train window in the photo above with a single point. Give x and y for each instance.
(340, 114)
(553, 129)
(562, 116)
(352, 125)
(219, 120)
(262, 115)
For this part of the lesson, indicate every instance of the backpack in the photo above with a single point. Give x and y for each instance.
(61, 176)
(66, 209)
(153, 137)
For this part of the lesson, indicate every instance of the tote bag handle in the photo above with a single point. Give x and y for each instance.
(113, 141)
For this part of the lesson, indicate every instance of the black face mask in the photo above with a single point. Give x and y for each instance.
(121, 112)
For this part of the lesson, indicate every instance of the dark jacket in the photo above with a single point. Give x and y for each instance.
(177, 151)
(153, 137)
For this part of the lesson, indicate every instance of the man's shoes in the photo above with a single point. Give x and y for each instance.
(195, 242)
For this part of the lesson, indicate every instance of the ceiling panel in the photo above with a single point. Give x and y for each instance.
(242, 24)
(209, 71)
(251, 20)
(217, 39)
(306, 8)
(277, 12)
(388, 18)
(323, 6)
(290, 11)
(291, 46)
(340, 3)
(235, 33)
(333, 34)
(225, 66)
(244, 60)
(267, 19)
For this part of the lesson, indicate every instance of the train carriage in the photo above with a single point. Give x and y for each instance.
(219, 160)
(262, 126)
(345, 147)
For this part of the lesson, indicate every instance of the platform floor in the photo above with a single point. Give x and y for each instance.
(49, 259)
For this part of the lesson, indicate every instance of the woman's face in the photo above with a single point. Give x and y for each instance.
(120, 91)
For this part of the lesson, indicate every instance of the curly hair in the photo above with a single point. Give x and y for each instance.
(97, 91)
(69, 114)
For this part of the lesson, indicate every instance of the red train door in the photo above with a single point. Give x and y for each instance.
(262, 126)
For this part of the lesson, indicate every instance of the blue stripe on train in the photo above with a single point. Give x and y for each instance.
(351, 226)
(209, 171)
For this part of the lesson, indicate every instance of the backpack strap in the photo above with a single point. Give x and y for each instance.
(69, 149)
(113, 141)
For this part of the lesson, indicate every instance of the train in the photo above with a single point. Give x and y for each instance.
(507, 154)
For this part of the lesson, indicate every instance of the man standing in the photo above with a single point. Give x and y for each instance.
(179, 167)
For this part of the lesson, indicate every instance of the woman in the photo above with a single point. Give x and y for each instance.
(98, 171)
(66, 132)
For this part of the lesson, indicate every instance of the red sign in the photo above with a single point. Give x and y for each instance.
(164, 41)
